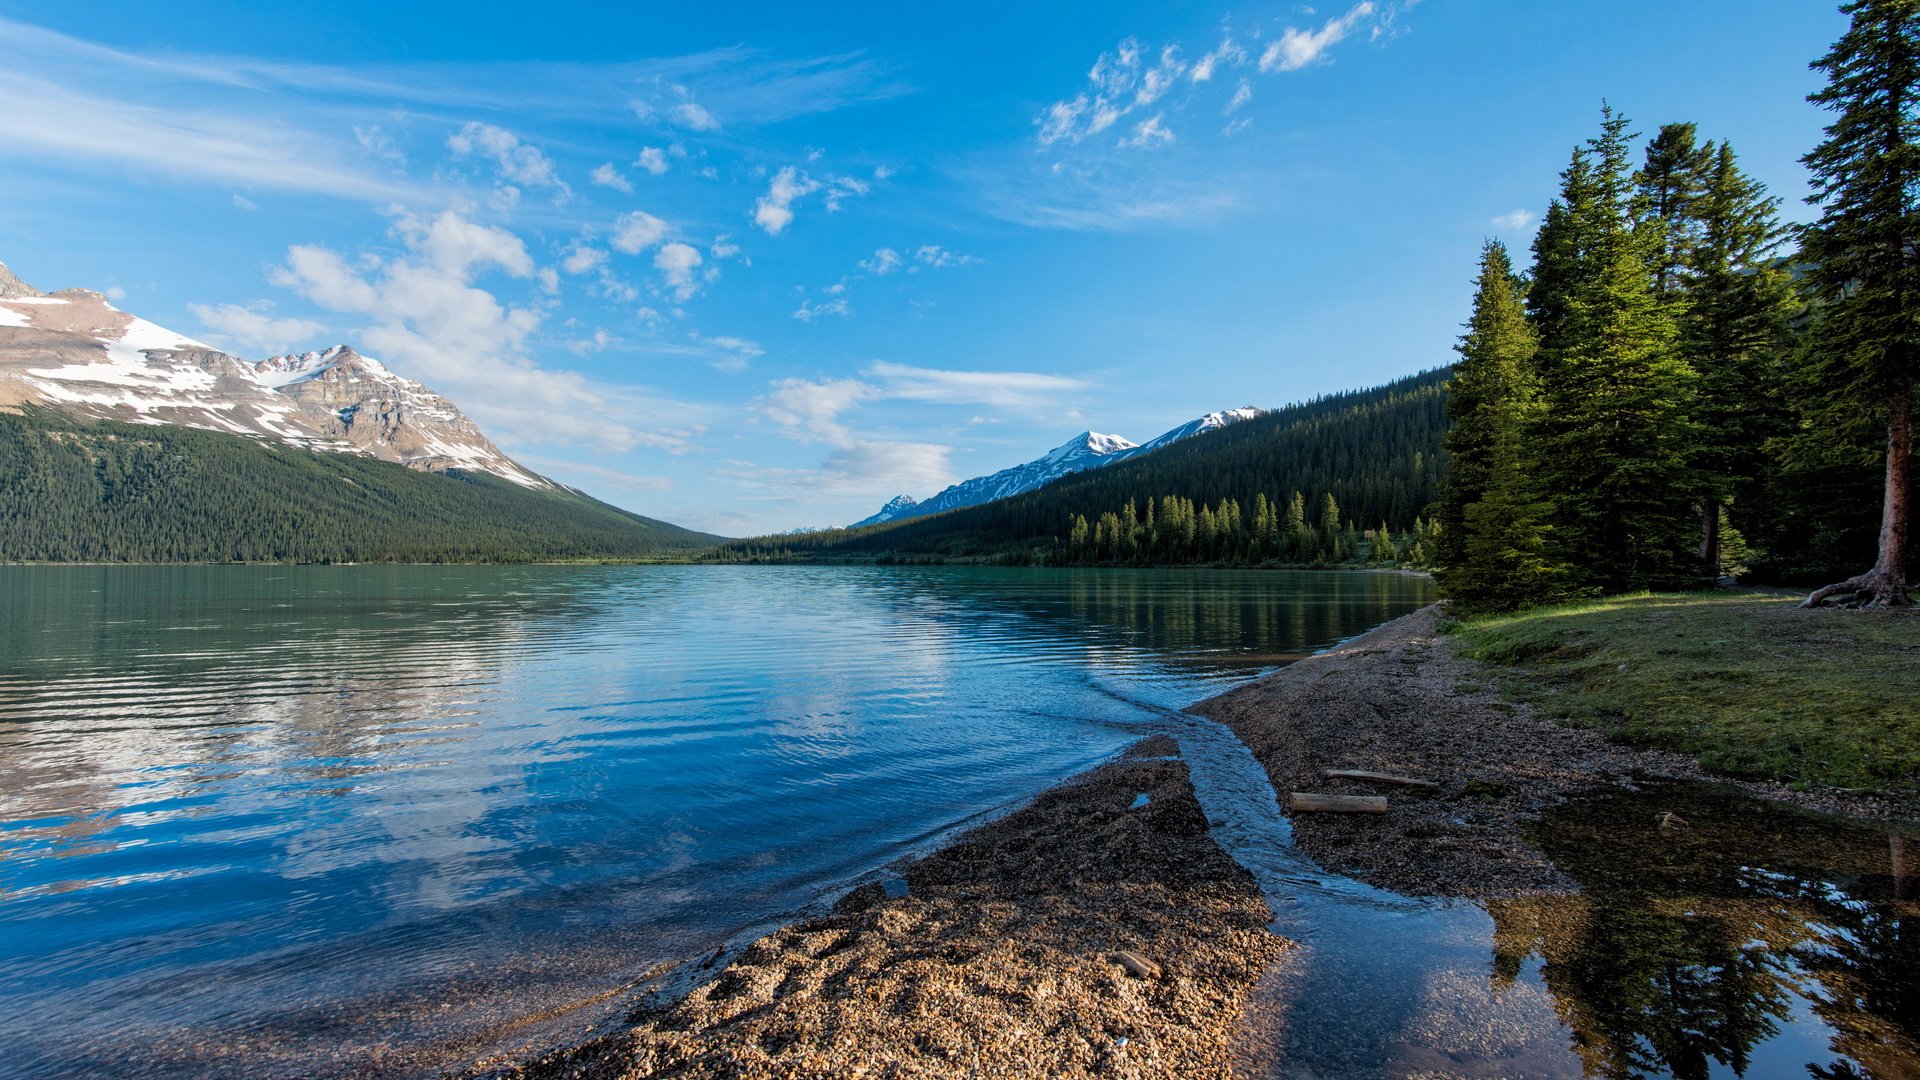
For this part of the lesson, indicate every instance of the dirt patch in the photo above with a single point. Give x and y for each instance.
(1398, 700)
(999, 961)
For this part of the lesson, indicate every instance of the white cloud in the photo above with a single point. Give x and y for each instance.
(254, 326)
(885, 261)
(734, 352)
(426, 314)
(518, 162)
(1148, 133)
(936, 256)
(1119, 85)
(245, 203)
(1241, 95)
(810, 411)
(885, 468)
(1227, 52)
(583, 258)
(652, 159)
(841, 188)
(606, 175)
(1516, 221)
(676, 262)
(1009, 389)
(809, 311)
(723, 247)
(188, 142)
(561, 469)
(774, 210)
(636, 231)
(693, 116)
(1297, 48)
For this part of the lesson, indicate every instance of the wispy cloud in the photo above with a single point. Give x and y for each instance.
(254, 327)
(1298, 48)
(1515, 221)
(518, 162)
(1006, 389)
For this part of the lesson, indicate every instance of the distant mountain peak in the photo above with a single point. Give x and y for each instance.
(1087, 450)
(897, 507)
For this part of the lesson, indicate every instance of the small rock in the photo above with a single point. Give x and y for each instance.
(1138, 966)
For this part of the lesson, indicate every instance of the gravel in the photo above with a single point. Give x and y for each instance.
(999, 961)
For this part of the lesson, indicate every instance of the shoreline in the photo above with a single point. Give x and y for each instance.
(1398, 700)
(1086, 933)
(1000, 956)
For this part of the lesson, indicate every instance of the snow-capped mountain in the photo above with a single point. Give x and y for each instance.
(1087, 450)
(359, 400)
(72, 350)
(898, 506)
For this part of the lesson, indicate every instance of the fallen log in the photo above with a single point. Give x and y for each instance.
(1381, 778)
(1309, 802)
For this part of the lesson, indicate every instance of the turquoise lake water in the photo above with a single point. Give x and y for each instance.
(321, 821)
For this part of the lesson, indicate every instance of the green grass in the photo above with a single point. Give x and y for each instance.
(1749, 684)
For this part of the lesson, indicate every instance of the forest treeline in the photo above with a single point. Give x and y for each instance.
(100, 491)
(1669, 394)
(1374, 455)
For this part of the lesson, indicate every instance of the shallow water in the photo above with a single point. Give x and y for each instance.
(1714, 935)
(266, 821)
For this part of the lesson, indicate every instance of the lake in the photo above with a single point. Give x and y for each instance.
(325, 820)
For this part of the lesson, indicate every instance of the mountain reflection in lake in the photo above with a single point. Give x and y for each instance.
(321, 821)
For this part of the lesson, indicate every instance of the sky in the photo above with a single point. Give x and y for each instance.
(755, 267)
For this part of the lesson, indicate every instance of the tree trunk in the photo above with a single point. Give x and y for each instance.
(1710, 537)
(1886, 584)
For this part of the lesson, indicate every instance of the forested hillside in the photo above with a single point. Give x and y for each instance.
(1376, 453)
(101, 491)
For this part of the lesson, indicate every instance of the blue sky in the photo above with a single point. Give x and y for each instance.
(752, 267)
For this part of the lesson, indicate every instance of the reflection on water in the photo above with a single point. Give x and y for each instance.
(325, 820)
(1718, 933)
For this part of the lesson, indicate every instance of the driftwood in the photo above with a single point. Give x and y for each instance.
(1306, 802)
(1138, 966)
(1381, 778)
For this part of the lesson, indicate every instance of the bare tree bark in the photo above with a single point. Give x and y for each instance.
(1710, 537)
(1886, 584)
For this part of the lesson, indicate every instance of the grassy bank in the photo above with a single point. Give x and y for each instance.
(1750, 684)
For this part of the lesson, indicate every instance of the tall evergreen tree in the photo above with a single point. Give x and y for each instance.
(1734, 331)
(1865, 252)
(1613, 436)
(1491, 376)
(1671, 184)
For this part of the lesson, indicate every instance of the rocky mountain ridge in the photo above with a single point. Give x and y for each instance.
(74, 352)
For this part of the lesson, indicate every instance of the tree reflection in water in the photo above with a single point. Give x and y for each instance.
(1734, 932)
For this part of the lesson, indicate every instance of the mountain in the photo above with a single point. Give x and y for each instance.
(1087, 450)
(1376, 452)
(121, 440)
(897, 507)
(75, 352)
(358, 400)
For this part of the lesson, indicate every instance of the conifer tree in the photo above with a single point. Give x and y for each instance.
(1613, 438)
(1865, 251)
(1734, 331)
(1671, 184)
(1492, 376)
